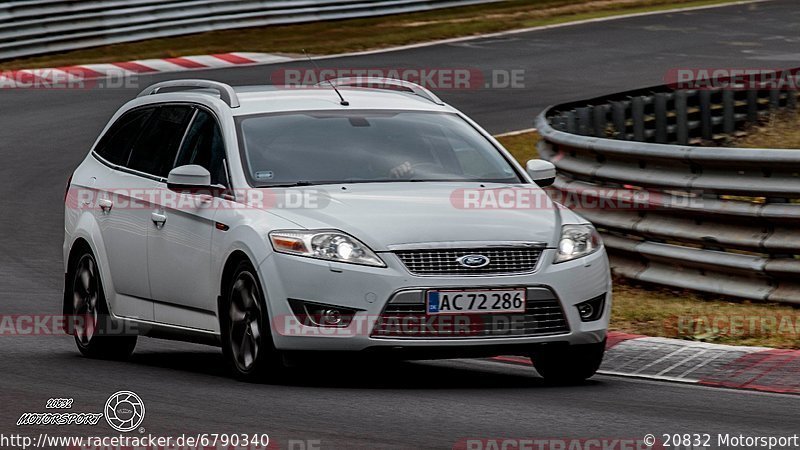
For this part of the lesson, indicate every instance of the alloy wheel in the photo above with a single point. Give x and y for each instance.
(85, 295)
(245, 315)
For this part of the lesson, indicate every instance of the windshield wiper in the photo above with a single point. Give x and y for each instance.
(295, 184)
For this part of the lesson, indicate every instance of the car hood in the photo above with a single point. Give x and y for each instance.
(386, 214)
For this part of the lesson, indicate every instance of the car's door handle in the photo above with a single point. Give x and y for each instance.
(105, 204)
(159, 219)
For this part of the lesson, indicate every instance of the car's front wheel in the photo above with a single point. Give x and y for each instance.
(91, 322)
(244, 325)
(569, 364)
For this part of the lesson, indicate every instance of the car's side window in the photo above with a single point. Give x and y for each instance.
(115, 145)
(204, 146)
(155, 150)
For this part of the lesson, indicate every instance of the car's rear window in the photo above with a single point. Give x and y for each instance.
(316, 147)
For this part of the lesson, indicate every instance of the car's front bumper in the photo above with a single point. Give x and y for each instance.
(368, 289)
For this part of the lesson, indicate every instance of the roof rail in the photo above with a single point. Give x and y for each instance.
(226, 93)
(386, 83)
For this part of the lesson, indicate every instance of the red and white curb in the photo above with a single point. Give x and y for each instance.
(76, 74)
(755, 368)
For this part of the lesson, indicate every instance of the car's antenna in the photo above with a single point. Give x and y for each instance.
(343, 102)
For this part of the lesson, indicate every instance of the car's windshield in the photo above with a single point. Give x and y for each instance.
(357, 146)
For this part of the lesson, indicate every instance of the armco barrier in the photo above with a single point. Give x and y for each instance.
(30, 27)
(674, 208)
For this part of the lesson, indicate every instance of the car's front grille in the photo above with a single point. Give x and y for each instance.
(511, 260)
(404, 317)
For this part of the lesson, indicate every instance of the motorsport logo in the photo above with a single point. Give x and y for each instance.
(124, 411)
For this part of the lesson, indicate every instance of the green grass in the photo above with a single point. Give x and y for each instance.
(362, 34)
(780, 131)
(522, 146)
(685, 315)
(654, 311)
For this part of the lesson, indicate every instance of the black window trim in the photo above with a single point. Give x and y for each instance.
(185, 133)
(195, 107)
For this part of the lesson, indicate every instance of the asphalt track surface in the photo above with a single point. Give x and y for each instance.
(45, 133)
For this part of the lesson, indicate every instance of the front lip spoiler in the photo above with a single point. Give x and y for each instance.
(431, 352)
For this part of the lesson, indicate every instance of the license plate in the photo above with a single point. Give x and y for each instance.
(476, 301)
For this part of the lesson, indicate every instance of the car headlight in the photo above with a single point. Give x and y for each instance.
(324, 244)
(577, 241)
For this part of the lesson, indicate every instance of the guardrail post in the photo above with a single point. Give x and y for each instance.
(557, 122)
(600, 120)
(728, 112)
(774, 98)
(585, 120)
(707, 129)
(572, 126)
(637, 111)
(618, 117)
(661, 117)
(752, 105)
(681, 118)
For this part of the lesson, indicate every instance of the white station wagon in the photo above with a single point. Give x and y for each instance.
(371, 218)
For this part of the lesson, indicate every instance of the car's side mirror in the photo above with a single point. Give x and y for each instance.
(541, 172)
(189, 177)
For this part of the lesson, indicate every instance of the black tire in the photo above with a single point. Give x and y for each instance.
(91, 324)
(244, 325)
(569, 364)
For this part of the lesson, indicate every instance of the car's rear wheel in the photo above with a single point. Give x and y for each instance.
(569, 364)
(91, 321)
(246, 337)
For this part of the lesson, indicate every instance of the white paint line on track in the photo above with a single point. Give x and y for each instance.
(679, 363)
(264, 58)
(706, 345)
(515, 133)
(659, 360)
(648, 377)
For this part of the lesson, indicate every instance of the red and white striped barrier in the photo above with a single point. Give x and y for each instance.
(72, 75)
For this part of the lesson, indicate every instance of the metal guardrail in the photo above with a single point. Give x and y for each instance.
(31, 27)
(673, 208)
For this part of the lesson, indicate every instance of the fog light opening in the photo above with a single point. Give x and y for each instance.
(591, 309)
(319, 315)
